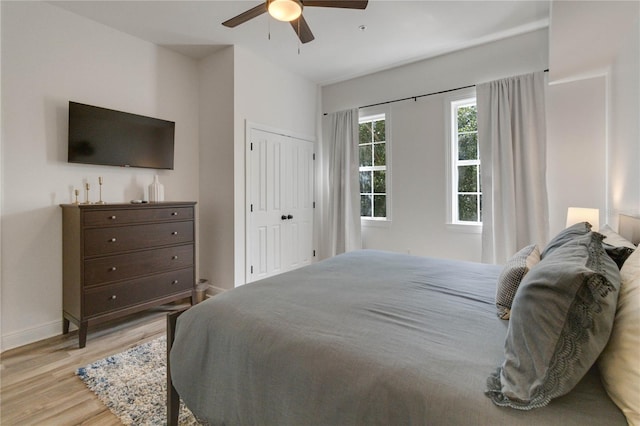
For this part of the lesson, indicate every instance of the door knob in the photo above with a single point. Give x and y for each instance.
(289, 217)
(283, 217)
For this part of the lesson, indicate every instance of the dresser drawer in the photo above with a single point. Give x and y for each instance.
(102, 241)
(126, 216)
(124, 266)
(109, 298)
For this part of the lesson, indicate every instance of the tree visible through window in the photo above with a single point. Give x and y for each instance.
(467, 199)
(373, 167)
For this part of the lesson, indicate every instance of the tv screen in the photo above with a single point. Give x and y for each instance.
(114, 138)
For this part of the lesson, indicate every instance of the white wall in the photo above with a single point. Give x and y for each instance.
(594, 108)
(216, 168)
(504, 58)
(418, 138)
(419, 192)
(239, 87)
(576, 148)
(50, 56)
(268, 95)
(585, 35)
(624, 139)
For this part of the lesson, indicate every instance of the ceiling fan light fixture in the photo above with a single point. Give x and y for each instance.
(285, 10)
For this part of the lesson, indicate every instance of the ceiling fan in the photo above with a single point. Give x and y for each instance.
(291, 11)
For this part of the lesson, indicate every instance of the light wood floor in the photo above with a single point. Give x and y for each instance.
(38, 385)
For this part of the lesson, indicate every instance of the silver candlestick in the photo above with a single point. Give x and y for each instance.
(86, 194)
(100, 188)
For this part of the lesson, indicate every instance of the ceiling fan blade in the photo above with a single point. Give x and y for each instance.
(245, 16)
(345, 4)
(301, 28)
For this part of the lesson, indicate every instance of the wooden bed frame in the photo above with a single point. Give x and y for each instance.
(173, 399)
(628, 227)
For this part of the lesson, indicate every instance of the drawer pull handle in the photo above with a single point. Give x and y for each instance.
(174, 213)
(174, 257)
(112, 240)
(113, 297)
(112, 217)
(174, 282)
(113, 268)
(174, 233)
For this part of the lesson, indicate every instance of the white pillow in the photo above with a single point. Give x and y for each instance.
(620, 361)
(611, 237)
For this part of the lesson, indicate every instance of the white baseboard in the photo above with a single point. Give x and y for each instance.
(213, 290)
(30, 335)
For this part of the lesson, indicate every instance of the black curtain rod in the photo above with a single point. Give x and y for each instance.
(415, 98)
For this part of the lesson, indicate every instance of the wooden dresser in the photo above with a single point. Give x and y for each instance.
(122, 258)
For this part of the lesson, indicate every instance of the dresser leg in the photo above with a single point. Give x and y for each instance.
(65, 326)
(82, 335)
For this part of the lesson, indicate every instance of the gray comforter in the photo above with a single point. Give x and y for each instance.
(365, 338)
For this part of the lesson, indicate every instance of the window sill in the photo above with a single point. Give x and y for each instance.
(464, 228)
(375, 223)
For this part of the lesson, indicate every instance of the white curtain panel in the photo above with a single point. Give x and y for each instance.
(339, 186)
(512, 140)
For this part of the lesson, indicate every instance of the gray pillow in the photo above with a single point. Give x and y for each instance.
(514, 270)
(561, 319)
(566, 235)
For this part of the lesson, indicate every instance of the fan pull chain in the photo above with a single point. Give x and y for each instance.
(269, 27)
(299, 35)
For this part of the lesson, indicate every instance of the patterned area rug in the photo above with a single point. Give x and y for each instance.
(133, 384)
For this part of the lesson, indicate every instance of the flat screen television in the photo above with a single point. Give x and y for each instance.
(114, 138)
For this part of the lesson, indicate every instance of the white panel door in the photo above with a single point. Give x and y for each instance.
(280, 211)
(298, 204)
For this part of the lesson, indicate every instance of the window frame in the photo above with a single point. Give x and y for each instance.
(371, 114)
(451, 103)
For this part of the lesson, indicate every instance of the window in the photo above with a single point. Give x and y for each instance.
(466, 191)
(374, 178)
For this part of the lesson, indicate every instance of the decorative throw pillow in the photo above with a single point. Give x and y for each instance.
(566, 235)
(560, 322)
(620, 362)
(617, 254)
(511, 276)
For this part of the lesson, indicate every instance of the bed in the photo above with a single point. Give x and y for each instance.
(367, 337)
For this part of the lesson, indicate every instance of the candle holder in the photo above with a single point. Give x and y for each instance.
(100, 189)
(76, 193)
(86, 194)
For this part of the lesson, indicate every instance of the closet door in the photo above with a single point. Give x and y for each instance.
(280, 211)
(297, 185)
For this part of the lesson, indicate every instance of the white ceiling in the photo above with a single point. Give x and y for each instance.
(397, 32)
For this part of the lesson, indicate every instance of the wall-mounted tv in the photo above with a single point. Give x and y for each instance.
(114, 138)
